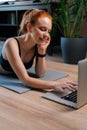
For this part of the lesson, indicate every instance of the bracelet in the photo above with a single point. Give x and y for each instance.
(41, 55)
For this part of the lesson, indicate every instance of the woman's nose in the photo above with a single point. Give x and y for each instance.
(46, 34)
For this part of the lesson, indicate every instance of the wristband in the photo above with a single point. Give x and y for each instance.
(41, 55)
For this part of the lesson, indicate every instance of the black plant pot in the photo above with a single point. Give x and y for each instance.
(73, 49)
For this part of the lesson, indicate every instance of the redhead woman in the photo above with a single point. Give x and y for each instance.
(19, 52)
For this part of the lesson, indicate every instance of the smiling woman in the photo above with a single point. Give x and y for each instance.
(19, 52)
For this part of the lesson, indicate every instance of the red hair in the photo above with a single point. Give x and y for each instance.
(31, 16)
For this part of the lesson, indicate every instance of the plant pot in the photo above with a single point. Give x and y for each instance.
(73, 49)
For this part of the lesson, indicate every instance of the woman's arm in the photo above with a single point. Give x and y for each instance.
(12, 54)
(40, 66)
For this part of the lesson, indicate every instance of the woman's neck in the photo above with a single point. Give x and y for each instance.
(27, 39)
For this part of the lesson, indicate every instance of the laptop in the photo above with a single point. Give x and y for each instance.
(77, 98)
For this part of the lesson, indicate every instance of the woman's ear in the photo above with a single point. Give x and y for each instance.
(29, 27)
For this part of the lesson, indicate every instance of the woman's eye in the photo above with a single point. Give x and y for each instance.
(43, 29)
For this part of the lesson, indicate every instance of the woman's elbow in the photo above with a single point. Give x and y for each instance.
(40, 75)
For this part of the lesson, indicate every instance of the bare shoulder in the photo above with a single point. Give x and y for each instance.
(10, 47)
(10, 43)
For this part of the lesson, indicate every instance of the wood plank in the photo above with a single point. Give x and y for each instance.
(29, 111)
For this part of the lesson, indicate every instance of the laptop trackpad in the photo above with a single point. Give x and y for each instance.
(57, 97)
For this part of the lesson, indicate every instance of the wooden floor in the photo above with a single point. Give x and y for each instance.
(55, 57)
(29, 111)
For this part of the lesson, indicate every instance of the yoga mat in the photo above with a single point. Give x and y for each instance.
(50, 74)
(16, 87)
(11, 82)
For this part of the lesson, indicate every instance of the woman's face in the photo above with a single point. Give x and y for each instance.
(41, 30)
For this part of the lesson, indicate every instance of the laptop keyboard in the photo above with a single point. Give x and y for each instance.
(71, 97)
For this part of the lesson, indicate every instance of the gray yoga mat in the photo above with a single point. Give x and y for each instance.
(51, 74)
(11, 82)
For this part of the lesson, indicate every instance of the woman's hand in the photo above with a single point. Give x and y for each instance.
(44, 43)
(68, 85)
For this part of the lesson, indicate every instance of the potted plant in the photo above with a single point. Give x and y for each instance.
(69, 16)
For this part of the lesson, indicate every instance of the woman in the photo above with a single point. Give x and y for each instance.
(18, 53)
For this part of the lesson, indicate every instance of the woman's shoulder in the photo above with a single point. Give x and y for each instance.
(9, 40)
(10, 43)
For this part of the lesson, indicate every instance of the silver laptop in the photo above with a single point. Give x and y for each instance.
(77, 98)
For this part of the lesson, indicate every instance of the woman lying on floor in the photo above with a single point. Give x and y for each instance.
(19, 52)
